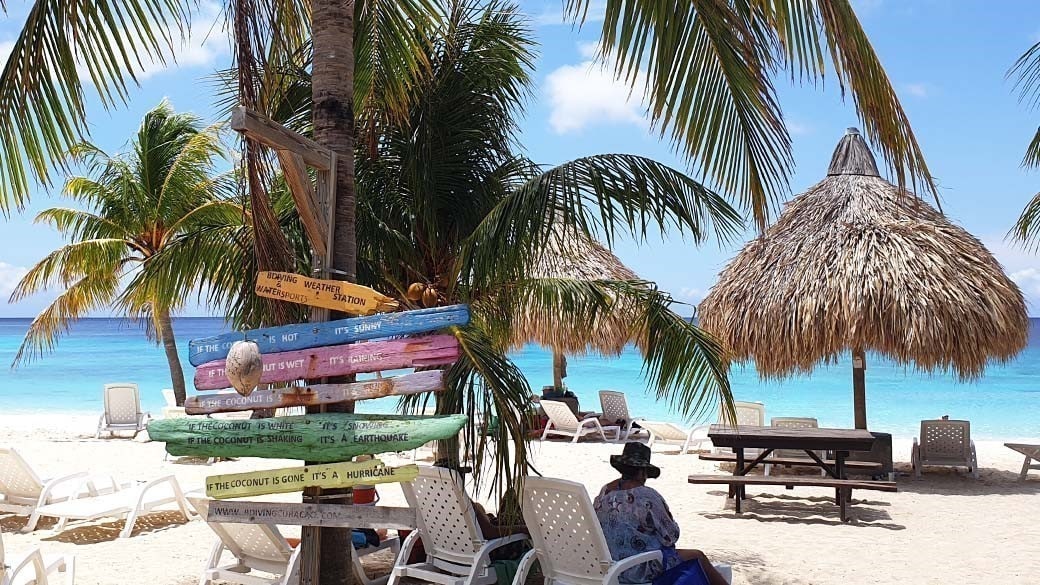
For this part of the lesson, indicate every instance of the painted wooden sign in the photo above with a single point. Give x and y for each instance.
(322, 438)
(327, 294)
(308, 335)
(315, 394)
(294, 479)
(332, 515)
(341, 360)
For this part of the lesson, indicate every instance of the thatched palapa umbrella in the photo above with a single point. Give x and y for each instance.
(857, 264)
(574, 256)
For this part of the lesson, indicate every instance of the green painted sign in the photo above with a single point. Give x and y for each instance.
(322, 438)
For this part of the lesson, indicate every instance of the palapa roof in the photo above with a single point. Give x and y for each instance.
(571, 255)
(857, 263)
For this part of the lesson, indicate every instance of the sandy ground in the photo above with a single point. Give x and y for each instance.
(943, 528)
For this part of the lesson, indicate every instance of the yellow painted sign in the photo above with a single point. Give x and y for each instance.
(327, 294)
(294, 479)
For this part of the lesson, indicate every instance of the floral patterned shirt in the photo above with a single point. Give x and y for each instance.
(635, 521)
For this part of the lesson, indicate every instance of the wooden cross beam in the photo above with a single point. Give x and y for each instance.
(296, 152)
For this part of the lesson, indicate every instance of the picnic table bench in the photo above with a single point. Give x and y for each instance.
(794, 461)
(839, 441)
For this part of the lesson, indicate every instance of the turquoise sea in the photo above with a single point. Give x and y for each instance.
(1005, 404)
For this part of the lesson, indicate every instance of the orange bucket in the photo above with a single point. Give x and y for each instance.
(365, 495)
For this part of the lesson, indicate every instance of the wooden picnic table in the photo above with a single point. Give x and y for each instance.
(810, 440)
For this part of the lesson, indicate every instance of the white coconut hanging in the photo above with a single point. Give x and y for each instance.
(244, 366)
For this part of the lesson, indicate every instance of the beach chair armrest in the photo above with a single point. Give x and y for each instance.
(526, 562)
(625, 564)
(406, 547)
(49, 486)
(32, 558)
(483, 557)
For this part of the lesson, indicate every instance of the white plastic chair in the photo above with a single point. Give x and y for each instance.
(456, 551)
(22, 492)
(793, 422)
(615, 408)
(946, 443)
(563, 422)
(128, 502)
(673, 434)
(122, 410)
(261, 547)
(33, 568)
(568, 540)
(747, 414)
(256, 547)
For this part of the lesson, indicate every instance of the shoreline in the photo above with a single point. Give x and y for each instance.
(83, 423)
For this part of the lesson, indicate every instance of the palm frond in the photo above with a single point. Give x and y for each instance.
(42, 104)
(93, 291)
(70, 263)
(1026, 230)
(607, 195)
(709, 66)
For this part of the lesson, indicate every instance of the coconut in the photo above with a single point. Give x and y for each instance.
(429, 297)
(415, 291)
(244, 366)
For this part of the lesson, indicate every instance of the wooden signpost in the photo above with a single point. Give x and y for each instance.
(315, 394)
(294, 479)
(322, 438)
(336, 295)
(329, 515)
(308, 335)
(341, 360)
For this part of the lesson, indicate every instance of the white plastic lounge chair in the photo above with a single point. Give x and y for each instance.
(568, 540)
(456, 551)
(22, 492)
(122, 410)
(615, 408)
(33, 568)
(793, 422)
(1031, 452)
(748, 414)
(563, 422)
(261, 547)
(171, 410)
(673, 434)
(128, 502)
(947, 443)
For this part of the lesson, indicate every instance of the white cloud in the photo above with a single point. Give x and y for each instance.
(9, 277)
(588, 93)
(692, 295)
(554, 15)
(918, 90)
(1027, 279)
(1021, 265)
(797, 128)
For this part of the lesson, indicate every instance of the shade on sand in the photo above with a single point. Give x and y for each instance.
(856, 264)
(574, 256)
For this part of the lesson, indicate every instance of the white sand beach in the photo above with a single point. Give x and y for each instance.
(943, 528)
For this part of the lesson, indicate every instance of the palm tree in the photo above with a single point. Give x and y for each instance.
(137, 205)
(446, 200)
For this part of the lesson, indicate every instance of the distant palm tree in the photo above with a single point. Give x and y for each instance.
(137, 204)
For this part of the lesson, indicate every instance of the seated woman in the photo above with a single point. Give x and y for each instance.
(635, 519)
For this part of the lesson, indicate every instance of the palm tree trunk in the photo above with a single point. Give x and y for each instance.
(164, 328)
(333, 102)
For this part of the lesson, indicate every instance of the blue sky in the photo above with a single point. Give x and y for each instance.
(947, 60)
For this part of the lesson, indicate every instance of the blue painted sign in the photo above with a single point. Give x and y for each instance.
(308, 335)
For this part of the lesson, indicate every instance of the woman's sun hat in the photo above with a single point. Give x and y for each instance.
(635, 455)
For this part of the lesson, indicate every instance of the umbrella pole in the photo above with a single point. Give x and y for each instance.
(559, 369)
(859, 387)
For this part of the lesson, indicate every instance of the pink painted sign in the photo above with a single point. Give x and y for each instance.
(341, 360)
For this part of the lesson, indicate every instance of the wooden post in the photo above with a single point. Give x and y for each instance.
(859, 387)
(559, 369)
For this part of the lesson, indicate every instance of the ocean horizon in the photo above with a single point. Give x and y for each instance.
(1004, 404)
